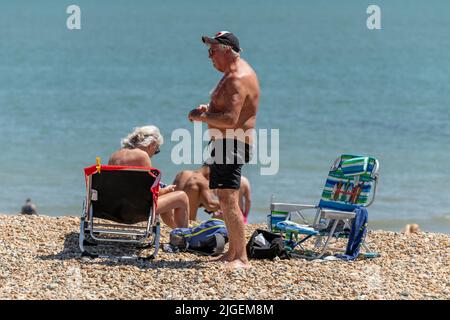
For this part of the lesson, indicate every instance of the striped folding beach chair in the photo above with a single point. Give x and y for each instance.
(351, 184)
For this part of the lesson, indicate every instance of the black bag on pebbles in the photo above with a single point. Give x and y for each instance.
(266, 245)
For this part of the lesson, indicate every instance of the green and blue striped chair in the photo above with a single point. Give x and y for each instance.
(351, 183)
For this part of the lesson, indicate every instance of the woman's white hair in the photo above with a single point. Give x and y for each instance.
(143, 137)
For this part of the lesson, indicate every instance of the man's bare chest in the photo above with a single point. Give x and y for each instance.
(218, 93)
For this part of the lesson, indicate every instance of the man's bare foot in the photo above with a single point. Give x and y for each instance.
(237, 264)
(226, 257)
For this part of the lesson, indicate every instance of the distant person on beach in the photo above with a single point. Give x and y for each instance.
(196, 185)
(137, 150)
(231, 116)
(29, 208)
(411, 228)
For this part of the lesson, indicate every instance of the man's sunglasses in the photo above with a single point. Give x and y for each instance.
(211, 51)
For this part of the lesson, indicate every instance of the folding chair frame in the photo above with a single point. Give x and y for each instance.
(321, 214)
(143, 237)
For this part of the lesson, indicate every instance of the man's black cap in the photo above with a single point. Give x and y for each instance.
(225, 38)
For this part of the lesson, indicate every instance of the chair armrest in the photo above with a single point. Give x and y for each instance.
(335, 214)
(290, 207)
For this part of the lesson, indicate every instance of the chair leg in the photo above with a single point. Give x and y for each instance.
(318, 243)
(81, 237)
(88, 243)
(328, 239)
(156, 237)
(82, 241)
(365, 246)
(369, 253)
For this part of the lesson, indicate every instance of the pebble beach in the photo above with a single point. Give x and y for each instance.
(40, 259)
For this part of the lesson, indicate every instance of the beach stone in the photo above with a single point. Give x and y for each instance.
(40, 259)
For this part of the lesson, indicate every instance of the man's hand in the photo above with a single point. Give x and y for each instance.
(195, 114)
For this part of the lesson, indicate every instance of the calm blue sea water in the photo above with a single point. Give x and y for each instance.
(328, 84)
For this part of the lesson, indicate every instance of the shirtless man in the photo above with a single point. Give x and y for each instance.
(196, 185)
(233, 106)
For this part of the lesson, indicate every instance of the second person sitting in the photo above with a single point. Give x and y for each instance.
(137, 150)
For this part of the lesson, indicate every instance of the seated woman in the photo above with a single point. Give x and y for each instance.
(137, 149)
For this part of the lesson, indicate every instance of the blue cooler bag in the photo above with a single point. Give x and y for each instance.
(208, 238)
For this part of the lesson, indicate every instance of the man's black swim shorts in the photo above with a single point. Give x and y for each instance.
(227, 158)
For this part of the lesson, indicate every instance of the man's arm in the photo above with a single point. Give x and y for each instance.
(207, 200)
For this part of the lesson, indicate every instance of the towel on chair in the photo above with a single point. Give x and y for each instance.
(359, 229)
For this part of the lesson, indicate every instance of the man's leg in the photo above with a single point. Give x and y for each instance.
(237, 255)
(230, 254)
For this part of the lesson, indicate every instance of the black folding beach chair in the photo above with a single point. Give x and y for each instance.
(120, 207)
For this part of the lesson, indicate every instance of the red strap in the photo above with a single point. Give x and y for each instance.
(93, 169)
(155, 190)
(155, 187)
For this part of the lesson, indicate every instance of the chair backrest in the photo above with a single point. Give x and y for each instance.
(351, 183)
(122, 194)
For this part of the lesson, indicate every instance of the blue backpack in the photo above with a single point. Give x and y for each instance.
(208, 238)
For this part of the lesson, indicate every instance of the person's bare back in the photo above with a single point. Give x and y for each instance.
(196, 185)
(182, 178)
(130, 157)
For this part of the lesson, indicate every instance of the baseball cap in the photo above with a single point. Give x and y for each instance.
(225, 38)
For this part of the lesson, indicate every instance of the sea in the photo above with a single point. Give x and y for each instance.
(332, 82)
